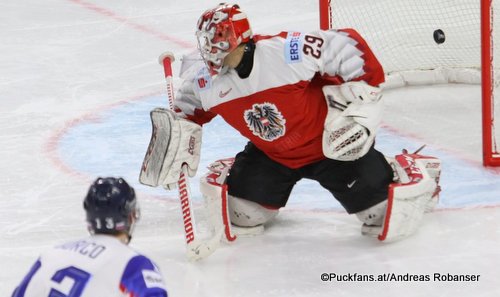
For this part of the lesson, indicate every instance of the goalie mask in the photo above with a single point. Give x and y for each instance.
(111, 207)
(220, 31)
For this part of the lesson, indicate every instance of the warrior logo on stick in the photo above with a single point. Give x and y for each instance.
(265, 121)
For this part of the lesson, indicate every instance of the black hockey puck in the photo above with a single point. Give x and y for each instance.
(439, 36)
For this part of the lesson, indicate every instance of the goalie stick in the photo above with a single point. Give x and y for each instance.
(195, 248)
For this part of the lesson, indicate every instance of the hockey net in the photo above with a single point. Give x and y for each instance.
(422, 42)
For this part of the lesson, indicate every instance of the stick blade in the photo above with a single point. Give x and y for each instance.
(198, 250)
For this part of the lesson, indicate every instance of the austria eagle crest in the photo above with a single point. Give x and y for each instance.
(265, 121)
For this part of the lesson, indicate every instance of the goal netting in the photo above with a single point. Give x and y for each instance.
(427, 42)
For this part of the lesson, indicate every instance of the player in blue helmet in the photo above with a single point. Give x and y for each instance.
(111, 207)
(102, 264)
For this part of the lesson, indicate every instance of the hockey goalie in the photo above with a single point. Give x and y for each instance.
(310, 106)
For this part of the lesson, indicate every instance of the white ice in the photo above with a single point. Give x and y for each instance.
(77, 80)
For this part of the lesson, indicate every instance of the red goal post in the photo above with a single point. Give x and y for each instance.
(459, 49)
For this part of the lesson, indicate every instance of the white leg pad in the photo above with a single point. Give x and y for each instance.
(405, 210)
(373, 216)
(218, 204)
(415, 193)
(244, 213)
(214, 190)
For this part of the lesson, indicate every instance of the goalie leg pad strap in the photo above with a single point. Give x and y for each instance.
(174, 142)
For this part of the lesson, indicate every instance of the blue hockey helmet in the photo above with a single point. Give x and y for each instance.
(111, 206)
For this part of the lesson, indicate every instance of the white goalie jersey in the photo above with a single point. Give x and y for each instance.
(280, 107)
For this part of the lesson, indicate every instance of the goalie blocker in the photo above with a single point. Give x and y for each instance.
(174, 142)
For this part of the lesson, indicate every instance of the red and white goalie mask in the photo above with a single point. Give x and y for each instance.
(220, 31)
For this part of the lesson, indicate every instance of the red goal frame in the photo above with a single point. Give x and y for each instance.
(491, 156)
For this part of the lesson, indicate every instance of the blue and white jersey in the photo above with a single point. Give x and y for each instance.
(98, 266)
